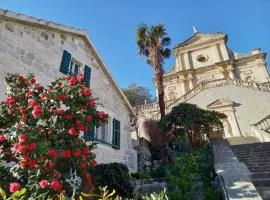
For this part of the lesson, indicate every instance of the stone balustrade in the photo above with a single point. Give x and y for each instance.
(153, 107)
(264, 124)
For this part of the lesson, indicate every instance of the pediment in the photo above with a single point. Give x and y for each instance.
(220, 103)
(199, 38)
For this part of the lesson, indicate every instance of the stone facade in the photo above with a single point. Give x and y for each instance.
(207, 73)
(34, 45)
(206, 57)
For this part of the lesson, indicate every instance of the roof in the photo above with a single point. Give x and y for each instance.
(24, 19)
(197, 36)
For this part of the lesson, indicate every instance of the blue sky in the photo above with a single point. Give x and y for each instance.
(112, 26)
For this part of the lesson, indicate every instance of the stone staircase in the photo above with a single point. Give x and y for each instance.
(256, 157)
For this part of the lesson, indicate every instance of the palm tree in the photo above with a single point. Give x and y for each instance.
(152, 42)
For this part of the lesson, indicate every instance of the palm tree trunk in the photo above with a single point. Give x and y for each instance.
(160, 88)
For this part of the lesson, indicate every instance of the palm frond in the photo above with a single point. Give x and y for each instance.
(166, 53)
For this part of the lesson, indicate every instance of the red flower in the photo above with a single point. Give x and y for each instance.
(23, 138)
(32, 81)
(69, 116)
(93, 163)
(72, 131)
(89, 118)
(101, 115)
(52, 153)
(85, 151)
(33, 103)
(56, 185)
(38, 87)
(77, 152)
(91, 103)
(29, 94)
(72, 81)
(10, 111)
(60, 97)
(32, 146)
(23, 164)
(50, 132)
(66, 153)
(45, 96)
(60, 112)
(10, 101)
(32, 163)
(14, 187)
(20, 78)
(78, 123)
(22, 149)
(59, 84)
(86, 92)
(43, 183)
(21, 109)
(2, 138)
(88, 177)
(24, 118)
(37, 111)
(80, 77)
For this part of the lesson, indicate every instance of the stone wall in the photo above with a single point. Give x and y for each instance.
(250, 105)
(28, 48)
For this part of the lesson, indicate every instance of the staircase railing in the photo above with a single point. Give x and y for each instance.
(201, 86)
(263, 124)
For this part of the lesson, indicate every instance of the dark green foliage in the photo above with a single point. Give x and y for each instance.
(192, 121)
(190, 174)
(137, 94)
(113, 175)
(142, 175)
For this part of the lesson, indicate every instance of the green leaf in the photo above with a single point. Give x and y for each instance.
(3, 194)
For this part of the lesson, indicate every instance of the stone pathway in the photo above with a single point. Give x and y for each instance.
(235, 173)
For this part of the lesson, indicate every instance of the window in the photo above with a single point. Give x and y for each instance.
(202, 58)
(74, 68)
(102, 133)
(108, 133)
(71, 66)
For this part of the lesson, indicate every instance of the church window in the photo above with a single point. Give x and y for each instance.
(202, 58)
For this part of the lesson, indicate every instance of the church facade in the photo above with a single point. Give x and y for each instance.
(207, 73)
(50, 50)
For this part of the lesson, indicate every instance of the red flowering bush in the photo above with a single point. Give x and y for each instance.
(41, 138)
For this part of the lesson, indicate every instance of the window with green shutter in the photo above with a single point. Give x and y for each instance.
(87, 75)
(89, 135)
(116, 134)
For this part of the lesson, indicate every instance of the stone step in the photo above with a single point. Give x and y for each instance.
(261, 182)
(257, 169)
(264, 192)
(260, 175)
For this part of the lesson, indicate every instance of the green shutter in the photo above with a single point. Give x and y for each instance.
(89, 135)
(64, 67)
(116, 134)
(87, 75)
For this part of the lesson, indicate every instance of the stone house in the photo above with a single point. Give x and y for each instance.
(50, 50)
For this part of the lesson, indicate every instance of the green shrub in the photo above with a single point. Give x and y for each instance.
(113, 175)
(142, 175)
(159, 172)
(190, 174)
